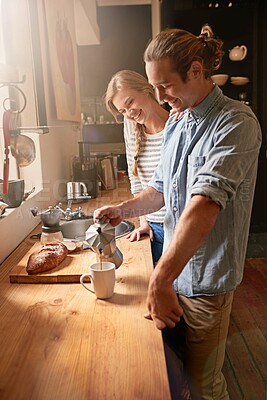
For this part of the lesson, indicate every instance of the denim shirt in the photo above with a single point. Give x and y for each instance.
(211, 151)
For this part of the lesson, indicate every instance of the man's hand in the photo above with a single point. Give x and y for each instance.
(110, 214)
(162, 303)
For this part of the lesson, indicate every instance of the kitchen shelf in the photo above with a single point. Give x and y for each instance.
(12, 83)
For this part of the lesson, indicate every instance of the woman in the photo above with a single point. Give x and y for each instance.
(129, 95)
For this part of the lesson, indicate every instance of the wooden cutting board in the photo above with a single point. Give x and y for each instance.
(69, 271)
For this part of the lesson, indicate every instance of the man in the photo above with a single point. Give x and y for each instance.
(206, 179)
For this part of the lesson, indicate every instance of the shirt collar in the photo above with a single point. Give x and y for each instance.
(202, 109)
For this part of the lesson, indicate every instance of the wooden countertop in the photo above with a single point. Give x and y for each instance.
(58, 342)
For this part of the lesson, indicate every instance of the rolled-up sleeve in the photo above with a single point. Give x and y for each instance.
(219, 173)
(156, 181)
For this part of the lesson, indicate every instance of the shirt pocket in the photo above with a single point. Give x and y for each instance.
(194, 164)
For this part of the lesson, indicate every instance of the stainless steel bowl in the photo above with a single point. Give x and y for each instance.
(75, 229)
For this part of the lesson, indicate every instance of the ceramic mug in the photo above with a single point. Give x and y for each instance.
(102, 280)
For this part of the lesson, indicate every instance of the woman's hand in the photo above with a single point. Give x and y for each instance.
(176, 113)
(144, 229)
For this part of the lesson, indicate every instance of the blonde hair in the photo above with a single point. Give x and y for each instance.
(182, 48)
(122, 80)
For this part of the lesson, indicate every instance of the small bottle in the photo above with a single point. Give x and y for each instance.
(51, 235)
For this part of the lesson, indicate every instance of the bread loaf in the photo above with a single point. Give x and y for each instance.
(49, 257)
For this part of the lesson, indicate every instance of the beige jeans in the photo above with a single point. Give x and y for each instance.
(207, 321)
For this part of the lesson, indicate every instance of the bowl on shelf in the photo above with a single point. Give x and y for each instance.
(239, 80)
(220, 79)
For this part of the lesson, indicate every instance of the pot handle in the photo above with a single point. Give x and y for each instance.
(27, 194)
(84, 189)
(6, 121)
(245, 50)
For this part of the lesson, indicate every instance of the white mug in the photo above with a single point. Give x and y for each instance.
(102, 280)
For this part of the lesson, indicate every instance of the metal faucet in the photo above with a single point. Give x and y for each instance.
(70, 214)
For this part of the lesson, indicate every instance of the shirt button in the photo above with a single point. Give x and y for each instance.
(174, 208)
(174, 185)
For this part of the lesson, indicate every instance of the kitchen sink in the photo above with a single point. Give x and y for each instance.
(76, 228)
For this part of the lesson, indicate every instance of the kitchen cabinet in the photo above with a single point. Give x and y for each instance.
(103, 133)
(106, 139)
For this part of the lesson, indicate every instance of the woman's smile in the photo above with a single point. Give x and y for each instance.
(135, 114)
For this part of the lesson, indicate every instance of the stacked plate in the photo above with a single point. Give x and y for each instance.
(239, 80)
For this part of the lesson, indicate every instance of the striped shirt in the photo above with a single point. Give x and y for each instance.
(148, 160)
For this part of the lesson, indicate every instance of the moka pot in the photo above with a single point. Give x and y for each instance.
(101, 238)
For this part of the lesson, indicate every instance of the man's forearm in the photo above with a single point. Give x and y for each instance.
(191, 231)
(145, 202)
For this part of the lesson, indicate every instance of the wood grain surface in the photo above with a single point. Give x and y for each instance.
(60, 342)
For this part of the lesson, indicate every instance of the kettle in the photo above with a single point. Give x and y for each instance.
(101, 238)
(238, 53)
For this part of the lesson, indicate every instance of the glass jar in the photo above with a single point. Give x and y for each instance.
(51, 235)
